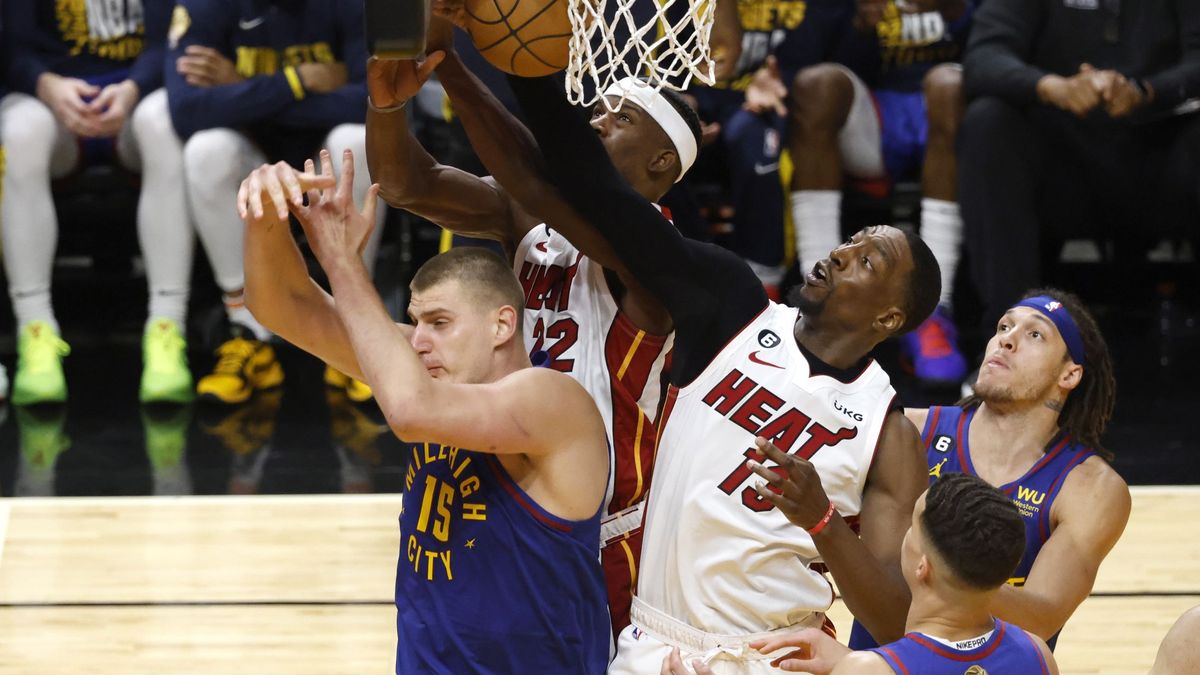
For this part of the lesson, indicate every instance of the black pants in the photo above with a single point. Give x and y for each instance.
(1032, 176)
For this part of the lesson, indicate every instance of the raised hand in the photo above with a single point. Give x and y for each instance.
(270, 190)
(814, 651)
(391, 82)
(336, 230)
(794, 485)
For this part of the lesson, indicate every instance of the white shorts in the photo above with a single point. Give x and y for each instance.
(861, 138)
(643, 645)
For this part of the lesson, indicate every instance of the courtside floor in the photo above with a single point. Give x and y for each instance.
(303, 584)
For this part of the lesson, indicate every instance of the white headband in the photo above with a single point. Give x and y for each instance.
(660, 109)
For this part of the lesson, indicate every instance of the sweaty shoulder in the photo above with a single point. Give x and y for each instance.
(867, 663)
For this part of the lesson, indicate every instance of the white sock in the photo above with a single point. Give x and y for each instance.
(170, 304)
(942, 230)
(235, 309)
(34, 305)
(817, 218)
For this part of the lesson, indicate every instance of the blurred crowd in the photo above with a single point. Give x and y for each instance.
(999, 129)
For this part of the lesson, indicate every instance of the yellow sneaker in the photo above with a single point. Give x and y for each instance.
(356, 390)
(165, 374)
(353, 429)
(39, 377)
(244, 366)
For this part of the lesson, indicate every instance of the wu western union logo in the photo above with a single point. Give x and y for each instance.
(1029, 501)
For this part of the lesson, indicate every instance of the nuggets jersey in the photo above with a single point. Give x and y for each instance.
(1008, 650)
(946, 438)
(487, 580)
(716, 555)
(571, 314)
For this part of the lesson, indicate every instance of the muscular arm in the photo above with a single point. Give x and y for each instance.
(709, 292)
(510, 153)
(287, 301)
(1090, 514)
(867, 566)
(410, 178)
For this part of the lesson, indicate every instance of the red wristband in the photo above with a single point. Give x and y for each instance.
(816, 529)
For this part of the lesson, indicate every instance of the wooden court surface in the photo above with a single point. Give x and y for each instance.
(304, 585)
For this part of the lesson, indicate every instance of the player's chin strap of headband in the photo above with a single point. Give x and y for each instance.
(1062, 320)
(660, 109)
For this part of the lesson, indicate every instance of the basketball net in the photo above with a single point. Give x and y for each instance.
(608, 45)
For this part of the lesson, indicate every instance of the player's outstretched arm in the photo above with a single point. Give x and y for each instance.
(511, 155)
(535, 412)
(409, 177)
(709, 292)
(1087, 519)
(866, 566)
(279, 291)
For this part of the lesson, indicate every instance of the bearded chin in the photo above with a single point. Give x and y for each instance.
(994, 394)
(809, 308)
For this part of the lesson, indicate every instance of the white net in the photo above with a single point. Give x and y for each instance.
(615, 39)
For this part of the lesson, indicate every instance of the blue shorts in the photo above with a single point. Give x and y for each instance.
(904, 130)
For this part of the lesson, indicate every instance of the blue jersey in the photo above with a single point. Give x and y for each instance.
(1008, 650)
(267, 40)
(85, 40)
(489, 582)
(947, 447)
(905, 46)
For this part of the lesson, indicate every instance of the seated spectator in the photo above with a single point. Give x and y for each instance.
(86, 81)
(896, 118)
(1073, 120)
(273, 84)
(749, 103)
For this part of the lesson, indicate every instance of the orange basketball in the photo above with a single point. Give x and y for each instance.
(523, 37)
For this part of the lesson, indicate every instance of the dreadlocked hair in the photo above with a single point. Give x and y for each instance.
(1089, 406)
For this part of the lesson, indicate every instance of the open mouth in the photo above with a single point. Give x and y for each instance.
(819, 274)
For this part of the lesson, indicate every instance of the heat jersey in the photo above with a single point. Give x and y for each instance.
(946, 440)
(572, 316)
(487, 580)
(1008, 650)
(716, 555)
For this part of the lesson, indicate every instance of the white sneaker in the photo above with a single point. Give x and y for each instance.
(3, 383)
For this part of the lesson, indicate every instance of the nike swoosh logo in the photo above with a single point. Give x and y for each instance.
(764, 169)
(541, 246)
(251, 24)
(754, 359)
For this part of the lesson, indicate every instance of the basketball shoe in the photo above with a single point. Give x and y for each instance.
(933, 350)
(356, 391)
(165, 374)
(39, 377)
(244, 365)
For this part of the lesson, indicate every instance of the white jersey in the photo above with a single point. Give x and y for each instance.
(716, 555)
(571, 315)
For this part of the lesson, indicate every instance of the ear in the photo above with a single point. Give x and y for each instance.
(505, 325)
(924, 569)
(665, 161)
(890, 321)
(1071, 375)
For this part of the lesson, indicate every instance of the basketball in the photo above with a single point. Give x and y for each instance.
(528, 38)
